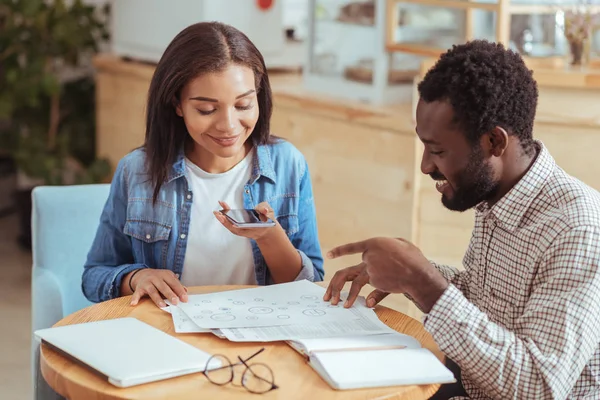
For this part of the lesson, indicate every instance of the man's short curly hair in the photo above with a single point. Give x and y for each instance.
(487, 86)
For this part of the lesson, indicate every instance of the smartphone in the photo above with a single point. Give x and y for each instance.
(247, 218)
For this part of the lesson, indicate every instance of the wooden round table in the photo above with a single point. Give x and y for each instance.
(295, 378)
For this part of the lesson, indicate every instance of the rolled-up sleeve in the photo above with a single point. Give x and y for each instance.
(308, 269)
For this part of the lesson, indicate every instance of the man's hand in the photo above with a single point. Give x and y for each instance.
(391, 266)
(358, 275)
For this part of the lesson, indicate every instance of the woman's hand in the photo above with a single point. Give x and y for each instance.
(264, 209)
(156, 284)
(282, 259)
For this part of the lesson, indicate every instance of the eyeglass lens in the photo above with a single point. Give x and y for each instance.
(258, 378)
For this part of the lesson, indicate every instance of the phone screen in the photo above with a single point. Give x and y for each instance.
(244, 216)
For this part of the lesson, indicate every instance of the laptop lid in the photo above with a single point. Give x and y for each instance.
(127, 351)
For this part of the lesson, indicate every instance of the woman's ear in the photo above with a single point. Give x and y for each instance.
(177, 106)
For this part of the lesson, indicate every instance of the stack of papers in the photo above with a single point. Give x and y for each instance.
(286, 311)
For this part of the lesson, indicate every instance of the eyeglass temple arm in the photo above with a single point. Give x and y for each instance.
(244, 361)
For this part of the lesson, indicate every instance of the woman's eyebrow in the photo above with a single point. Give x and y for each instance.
(200, 98)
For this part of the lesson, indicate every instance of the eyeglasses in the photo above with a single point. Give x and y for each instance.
(257, 377)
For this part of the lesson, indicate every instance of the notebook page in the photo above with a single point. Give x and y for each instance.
(377, 368)
(357, 342)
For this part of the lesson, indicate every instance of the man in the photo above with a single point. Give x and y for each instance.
(522, 320)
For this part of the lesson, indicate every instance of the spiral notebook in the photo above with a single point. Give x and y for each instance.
(373, 361)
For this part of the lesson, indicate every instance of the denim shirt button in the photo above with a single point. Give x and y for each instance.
(148, 237)
(182, 236)
(247, 191)
(189, 196)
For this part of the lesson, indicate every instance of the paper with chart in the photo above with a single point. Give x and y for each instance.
(295, 303)
(182, 323)
(366, 325)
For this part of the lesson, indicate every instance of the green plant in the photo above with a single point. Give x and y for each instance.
(46, 102)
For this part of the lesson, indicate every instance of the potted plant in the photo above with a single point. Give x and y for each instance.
(47, 122)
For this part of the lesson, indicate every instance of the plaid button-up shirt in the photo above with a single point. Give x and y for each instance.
(523, 319)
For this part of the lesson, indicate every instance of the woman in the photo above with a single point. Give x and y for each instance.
(207, 146)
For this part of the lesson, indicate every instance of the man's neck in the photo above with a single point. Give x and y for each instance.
(517, 165)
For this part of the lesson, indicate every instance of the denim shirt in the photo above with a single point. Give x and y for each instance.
(133, 233)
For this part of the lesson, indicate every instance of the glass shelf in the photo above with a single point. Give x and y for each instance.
(534, 28)
(347, 55)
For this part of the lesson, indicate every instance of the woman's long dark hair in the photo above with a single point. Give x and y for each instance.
(200, 48)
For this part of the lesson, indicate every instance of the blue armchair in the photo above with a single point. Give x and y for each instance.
(64, 223)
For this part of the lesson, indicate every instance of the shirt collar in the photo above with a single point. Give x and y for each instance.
(178, 169)
(510, 209)
(262, 165)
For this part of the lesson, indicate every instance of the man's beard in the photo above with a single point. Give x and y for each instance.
(474, 185)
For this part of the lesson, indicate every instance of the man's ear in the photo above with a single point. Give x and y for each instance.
(497, 141)
(177, 106)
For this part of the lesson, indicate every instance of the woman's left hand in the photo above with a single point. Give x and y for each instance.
(252, 233)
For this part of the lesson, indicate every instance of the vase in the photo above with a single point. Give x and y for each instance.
(577, 52)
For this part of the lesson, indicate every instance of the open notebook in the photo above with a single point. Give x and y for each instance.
(390, 359)
(127, 351)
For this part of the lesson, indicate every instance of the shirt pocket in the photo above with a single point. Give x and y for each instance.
(508, 270)
(150, 227)
(147, 231)
(506, 294)
(500, 311)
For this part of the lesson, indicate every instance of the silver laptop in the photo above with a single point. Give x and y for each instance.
(127, 351)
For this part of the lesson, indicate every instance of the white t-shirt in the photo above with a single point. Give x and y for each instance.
(214, 255)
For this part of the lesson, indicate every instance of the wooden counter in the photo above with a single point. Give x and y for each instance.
(364, 160)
